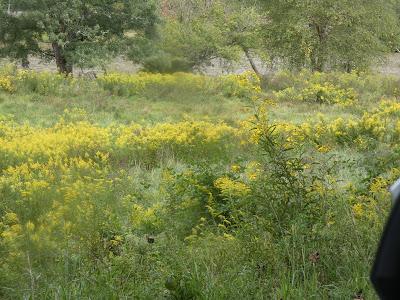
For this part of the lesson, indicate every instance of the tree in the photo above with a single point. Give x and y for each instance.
(194, 32)
(74, 32)
(325, 34)
(18, 34)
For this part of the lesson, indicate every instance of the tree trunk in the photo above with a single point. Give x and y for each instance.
(316, 64)
(251, 61)
(318, 59)
(62, 64)
(25, 62)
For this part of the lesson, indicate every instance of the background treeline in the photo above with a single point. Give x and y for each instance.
(183, 35)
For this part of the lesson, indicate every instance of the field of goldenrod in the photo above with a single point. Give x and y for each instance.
(285, 198)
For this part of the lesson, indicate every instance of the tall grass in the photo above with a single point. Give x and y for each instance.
(256, 201)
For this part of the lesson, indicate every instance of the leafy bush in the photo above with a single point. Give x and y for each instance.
(333, 87)
(317, 93)
(42, 83)
(166, 63)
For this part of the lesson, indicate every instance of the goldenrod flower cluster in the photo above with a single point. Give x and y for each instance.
(231, 188)
(246, 85)
(319, 93)
(6, 84)
(58, 183)
(43, 83)
(381, 124)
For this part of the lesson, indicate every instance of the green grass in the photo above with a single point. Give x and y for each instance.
(106, 109)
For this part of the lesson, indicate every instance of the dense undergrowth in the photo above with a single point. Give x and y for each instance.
(259, 205)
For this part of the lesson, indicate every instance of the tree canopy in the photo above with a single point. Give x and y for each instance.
(73, 32)
(315, 34)
(324, 34)
(193, 33)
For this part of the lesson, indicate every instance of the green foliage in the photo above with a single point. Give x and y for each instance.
(81, 33)
(325, 93)
(178, 85)
(194, 33)
(332, 87)
(285, 205)
(324, 35)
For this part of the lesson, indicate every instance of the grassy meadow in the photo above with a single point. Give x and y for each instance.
(184, 186)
